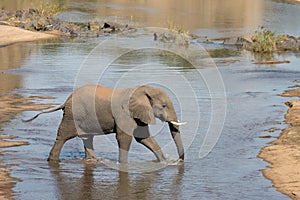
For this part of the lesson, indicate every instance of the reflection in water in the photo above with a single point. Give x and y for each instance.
(223, 53)
(12, 57)
(232, 17)
(190, 14)
(13, 5)
(9, 82)
(96, 182)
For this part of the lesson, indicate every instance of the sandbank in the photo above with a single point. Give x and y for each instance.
(284, 153)
(11, 35)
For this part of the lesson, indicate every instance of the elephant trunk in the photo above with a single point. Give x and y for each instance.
(174, 129)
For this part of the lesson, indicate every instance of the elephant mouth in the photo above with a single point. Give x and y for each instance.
(161, 118)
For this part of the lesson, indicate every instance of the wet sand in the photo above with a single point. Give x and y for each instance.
(11, 35)
(6, 181)
(284, 153)
(11, 105)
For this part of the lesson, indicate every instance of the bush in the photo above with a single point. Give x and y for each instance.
(264, 41)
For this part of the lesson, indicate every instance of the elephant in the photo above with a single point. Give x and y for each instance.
(97, 110)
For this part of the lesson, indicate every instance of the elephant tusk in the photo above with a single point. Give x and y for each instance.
(178, 123)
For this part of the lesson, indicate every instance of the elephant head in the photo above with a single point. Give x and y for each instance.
(147, 103)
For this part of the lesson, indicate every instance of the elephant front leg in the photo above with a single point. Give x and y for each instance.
(142, 135)
(124, 141)
(151, 144)
(88, 147)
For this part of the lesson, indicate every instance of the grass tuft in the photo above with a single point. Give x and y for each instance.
(182, 37)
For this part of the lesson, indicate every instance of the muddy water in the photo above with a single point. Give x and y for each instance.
(229, 171)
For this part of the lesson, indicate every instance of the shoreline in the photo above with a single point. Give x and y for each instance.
(283, 154)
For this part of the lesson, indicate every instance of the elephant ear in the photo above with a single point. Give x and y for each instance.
(140, 106)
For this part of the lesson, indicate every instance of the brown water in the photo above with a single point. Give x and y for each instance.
(250, 103)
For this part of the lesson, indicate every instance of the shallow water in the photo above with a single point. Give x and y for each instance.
(250, 105)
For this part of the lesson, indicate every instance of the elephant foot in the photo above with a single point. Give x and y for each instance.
(163, 162)
(90, 160)
(53, 160)
(176, 162)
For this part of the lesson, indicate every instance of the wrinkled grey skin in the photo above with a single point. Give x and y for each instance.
(97, 110)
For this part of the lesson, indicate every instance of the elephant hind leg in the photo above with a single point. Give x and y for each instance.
(56, 149)
(65, 132)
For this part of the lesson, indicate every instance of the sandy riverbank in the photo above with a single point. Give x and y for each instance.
(11, 35)
(12, 104)
(284, 153)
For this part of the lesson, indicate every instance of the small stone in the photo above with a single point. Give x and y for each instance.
(272, 129)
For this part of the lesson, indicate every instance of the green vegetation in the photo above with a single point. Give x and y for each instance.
(264, 41)
(47, 9)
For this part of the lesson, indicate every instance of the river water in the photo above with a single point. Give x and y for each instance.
(228, 105)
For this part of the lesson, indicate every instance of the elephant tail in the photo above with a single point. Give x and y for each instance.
(46, 111)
